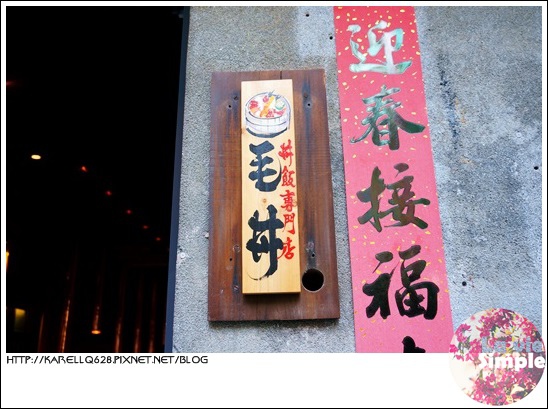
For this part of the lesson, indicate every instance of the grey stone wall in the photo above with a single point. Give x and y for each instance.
(482, 73)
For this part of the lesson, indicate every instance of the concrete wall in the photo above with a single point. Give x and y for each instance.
(482, 74)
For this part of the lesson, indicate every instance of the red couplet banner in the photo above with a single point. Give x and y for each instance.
(399, 279)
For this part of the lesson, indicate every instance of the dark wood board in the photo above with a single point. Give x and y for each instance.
(314, 186)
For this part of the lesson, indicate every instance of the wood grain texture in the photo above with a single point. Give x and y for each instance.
(272, 272)
(314, 186)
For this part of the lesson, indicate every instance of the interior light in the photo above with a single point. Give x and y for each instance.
(95, 330)
(20, 316)
(7, 257)
(35, 157)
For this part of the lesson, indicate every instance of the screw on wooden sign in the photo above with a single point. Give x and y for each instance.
(270, 219)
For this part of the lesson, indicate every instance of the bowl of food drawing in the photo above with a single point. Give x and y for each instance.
(267, 114)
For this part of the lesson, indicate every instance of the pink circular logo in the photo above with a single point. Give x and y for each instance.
(497, 357)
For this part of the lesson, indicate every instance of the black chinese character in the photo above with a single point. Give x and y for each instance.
(260, 162)
(409, 346)
(409, 301)
(403, 210)
(415, 299)
(378, 289)
(268, 245)
(383, 114)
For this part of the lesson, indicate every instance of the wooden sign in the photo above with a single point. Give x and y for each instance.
(401, 299)
(239, 229)
(270, 228)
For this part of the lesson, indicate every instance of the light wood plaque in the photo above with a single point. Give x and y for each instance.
(270, 221)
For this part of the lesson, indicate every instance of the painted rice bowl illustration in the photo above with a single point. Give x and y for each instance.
(267, 114)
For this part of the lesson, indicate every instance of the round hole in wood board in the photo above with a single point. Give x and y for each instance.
(313, 280)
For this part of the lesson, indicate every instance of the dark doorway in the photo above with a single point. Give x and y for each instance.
(92, 98)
